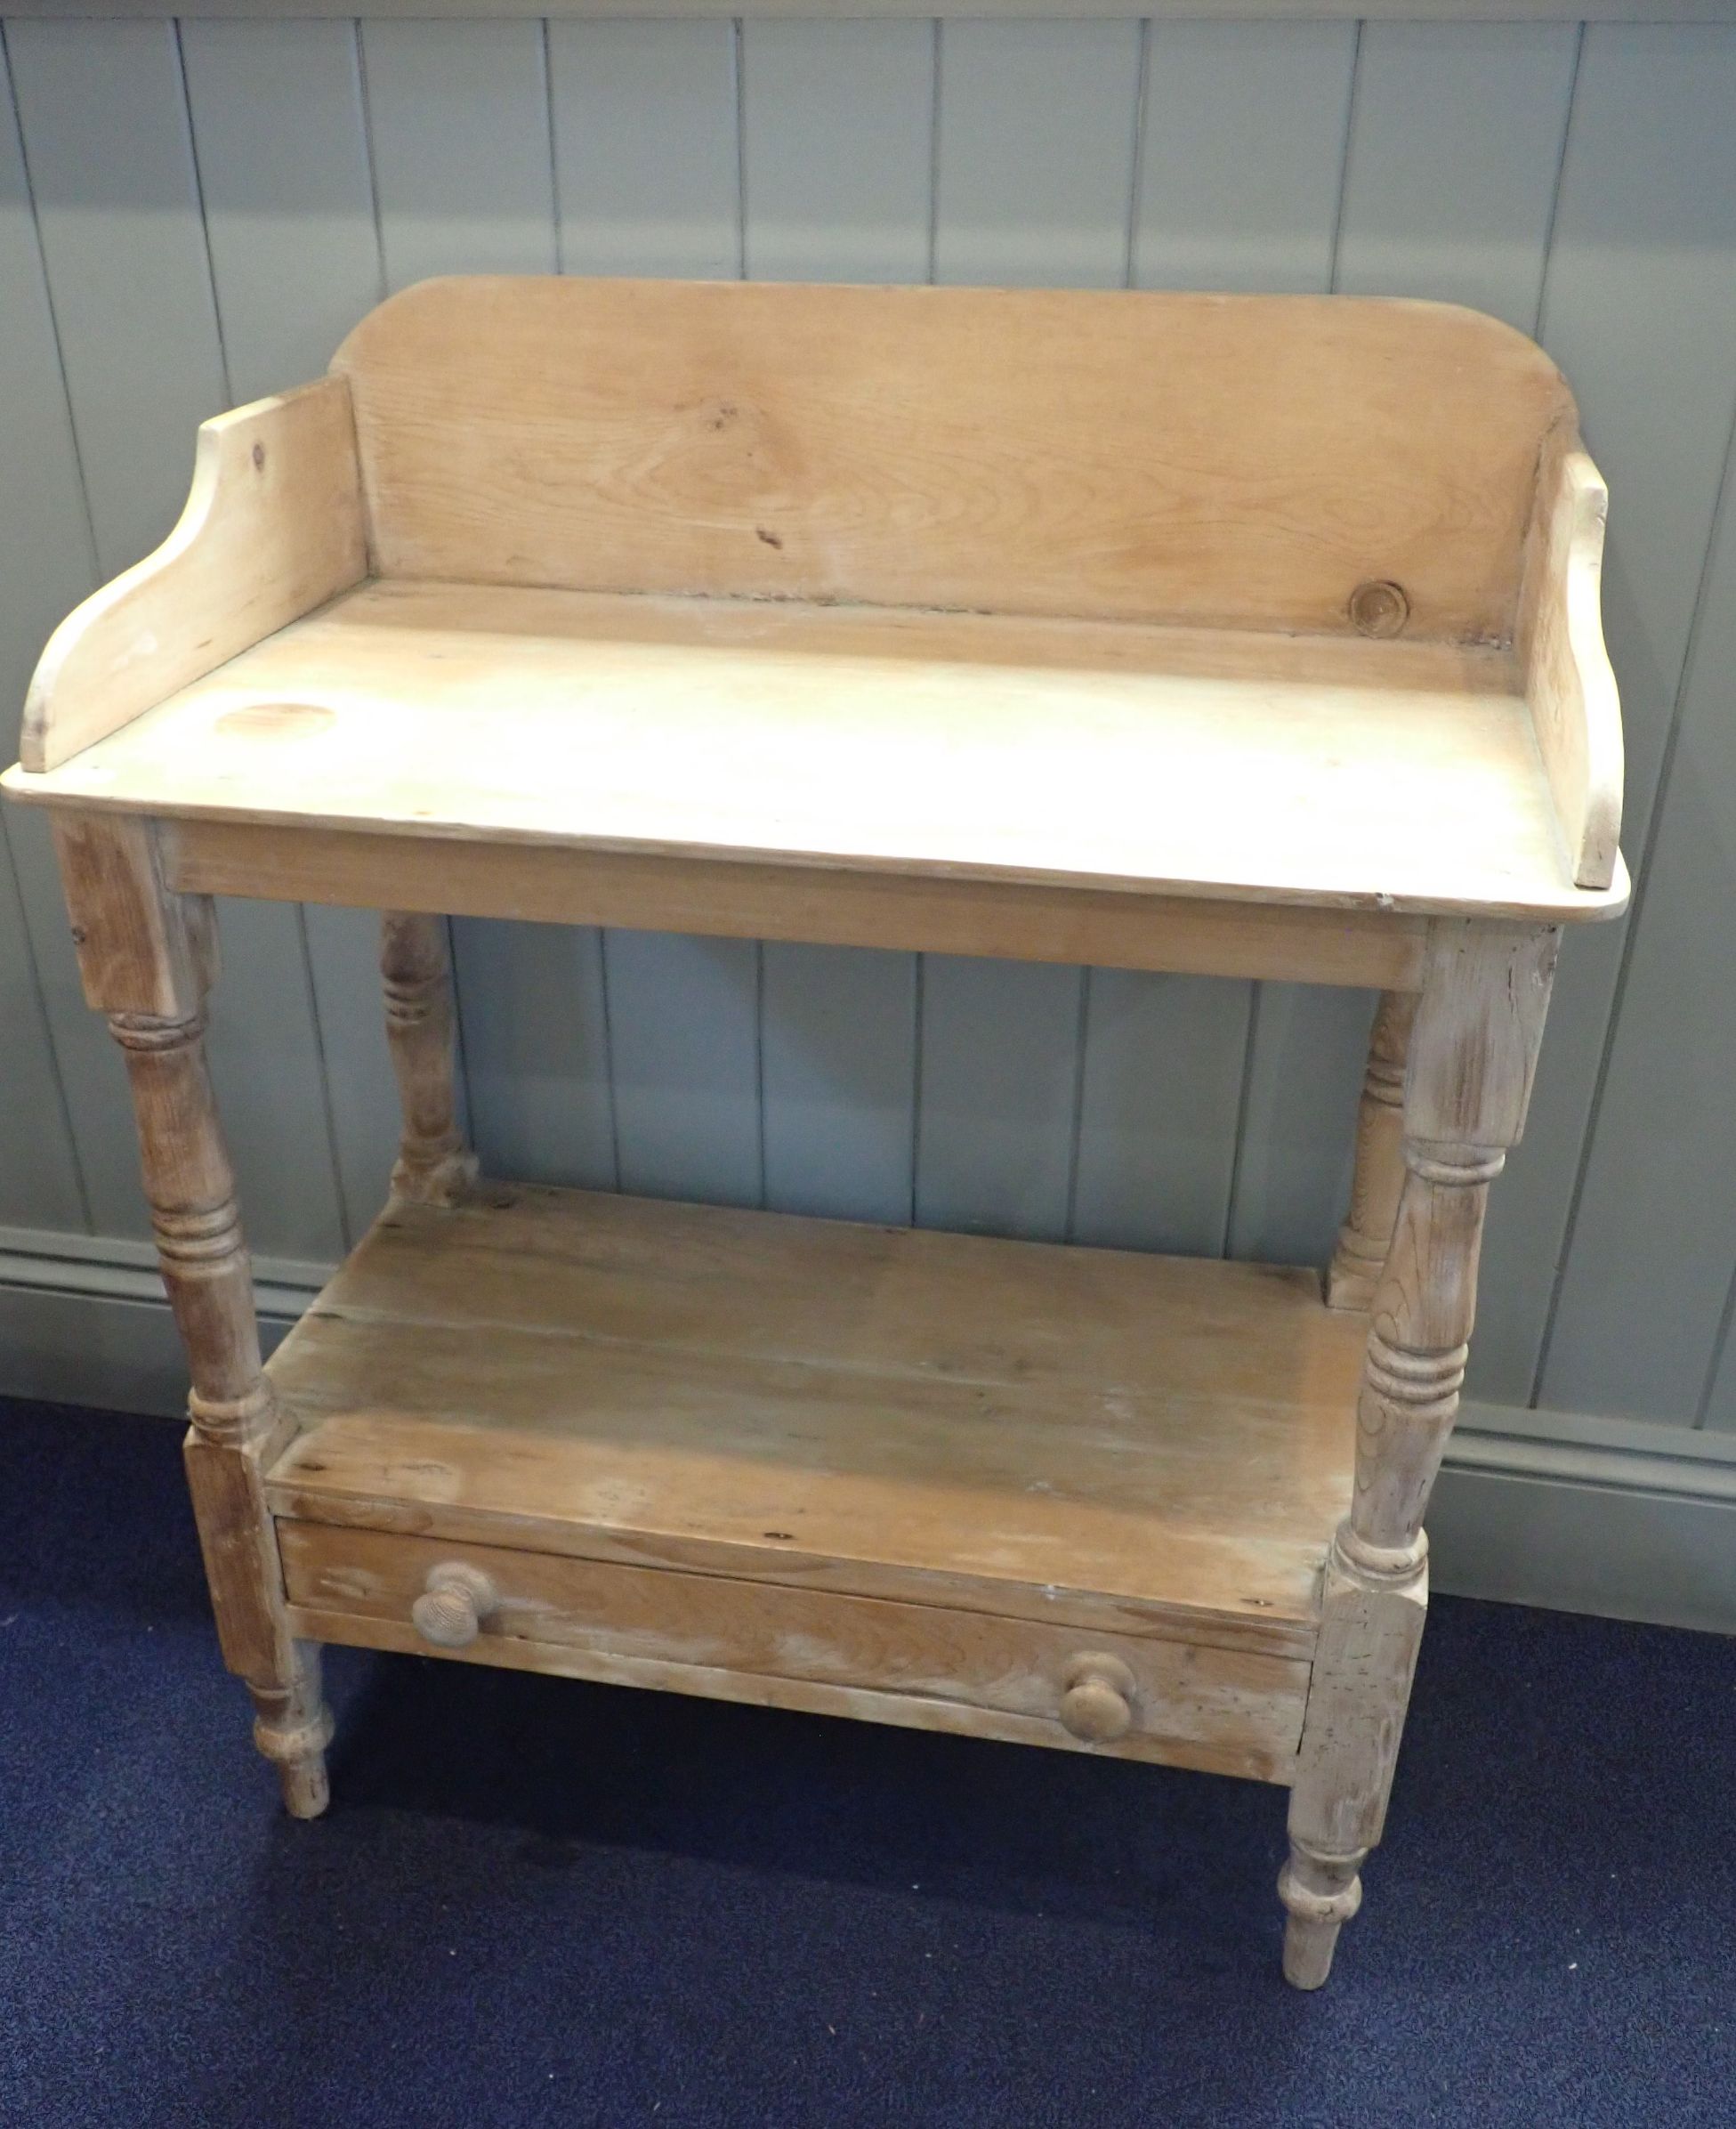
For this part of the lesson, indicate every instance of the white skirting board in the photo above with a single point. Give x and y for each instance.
(1576, 1513)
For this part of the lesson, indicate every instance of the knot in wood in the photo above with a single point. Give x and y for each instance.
(1378, 608)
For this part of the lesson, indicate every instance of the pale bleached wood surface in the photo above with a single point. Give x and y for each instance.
(789, 441)
(737, 899)
(272, 528)
(1233, 1712)
(1398, 776)
(1569, 684)
(1079, 1435)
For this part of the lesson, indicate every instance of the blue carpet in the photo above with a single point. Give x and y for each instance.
(536, 1902)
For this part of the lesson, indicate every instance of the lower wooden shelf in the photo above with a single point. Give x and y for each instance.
(914, 1476)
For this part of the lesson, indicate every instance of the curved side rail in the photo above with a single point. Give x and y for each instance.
(273, 527)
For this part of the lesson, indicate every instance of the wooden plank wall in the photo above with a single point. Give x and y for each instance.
(192, 216)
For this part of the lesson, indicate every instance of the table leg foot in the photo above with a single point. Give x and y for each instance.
(293, 1727)
(1321, 1893)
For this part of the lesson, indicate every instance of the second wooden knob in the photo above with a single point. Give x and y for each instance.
(1097, 1704)
(453, 1604)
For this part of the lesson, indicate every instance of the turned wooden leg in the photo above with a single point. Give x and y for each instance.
(1473, 1054)
(1363, 1240)
(434, 1165)
(147, 958)
(293, 1727)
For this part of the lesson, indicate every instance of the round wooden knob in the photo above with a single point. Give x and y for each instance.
(455, 1601)
(1097, 1704)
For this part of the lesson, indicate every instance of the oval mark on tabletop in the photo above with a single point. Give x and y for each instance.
(277, 720)
(771, 539)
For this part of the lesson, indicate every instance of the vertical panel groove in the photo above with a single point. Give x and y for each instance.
(1344, 166)
(367, 148)
(204, 217)
(934, 162)
(1715, 1365)
(1070, 1217)
(553, 160)
(63, 1105)
(1142, 100)
(1244, 1096)
(1560, 172)
(48, 299)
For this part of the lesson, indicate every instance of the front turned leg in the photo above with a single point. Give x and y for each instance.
(147, 957)
(434, 1165)
(1472, 1054)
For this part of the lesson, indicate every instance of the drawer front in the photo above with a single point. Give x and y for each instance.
(1132, 1696)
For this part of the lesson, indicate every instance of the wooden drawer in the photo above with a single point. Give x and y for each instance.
(1221, 1709)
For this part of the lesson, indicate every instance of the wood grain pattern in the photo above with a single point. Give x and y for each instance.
(272, 528)
(791, 443)
(1569, 684)
(1402, 776)
(434, 1166)
(1229, 1712)
(147, 957)
(1115, 930)
(1472, 1055)
(1077, 1435)
(1366, 1234)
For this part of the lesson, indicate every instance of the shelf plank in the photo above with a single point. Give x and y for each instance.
(1142, 1444)
(1262, 767)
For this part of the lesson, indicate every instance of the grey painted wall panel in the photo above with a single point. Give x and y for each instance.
(1293, 1162)
(535, 1047)
(647, 147)
(1035, 156)
(458, 123)
(838, 1035)
(1640, 1312)
(1455, 148)
(1242, 153)
(999, 1079)
(1639, 308)
(44, 551)
(838, 149)
(1160, 1091)
(684, 1057)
